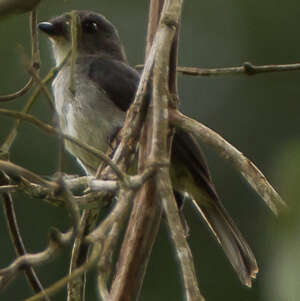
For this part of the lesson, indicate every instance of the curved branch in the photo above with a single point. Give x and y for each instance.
(57, 241)
(16, 238)
(51, 130)
(223, 148)
(19, 93)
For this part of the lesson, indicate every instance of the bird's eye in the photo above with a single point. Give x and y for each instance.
(90, 27)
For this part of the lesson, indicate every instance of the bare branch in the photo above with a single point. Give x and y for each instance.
(100, 185)
(9, 188)
(35, 56)
(8, 7)
(161, 149)
(15, 171)
(95, 254)
(183, 252)
(57, 241)
(51, 74)
(70, 204)
(19, 93)
(243, 165)
(16, 238)
(145, 216)
(51, 130)
(247, 69)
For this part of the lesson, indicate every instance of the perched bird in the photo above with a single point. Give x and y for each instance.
(104, 87)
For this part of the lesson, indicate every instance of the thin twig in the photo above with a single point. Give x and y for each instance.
(182, 249)
(247, 69)
(35, 59)
(70, 204)
(16, 238)
(15, 171)
(35, 50)
(51, 130)
(9, 188)
(74, 42)
(105, 265)
(19, 93)
(95, 254)
(13, 133)
(57, 241)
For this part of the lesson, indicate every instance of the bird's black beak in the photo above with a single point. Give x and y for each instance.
(48, 28)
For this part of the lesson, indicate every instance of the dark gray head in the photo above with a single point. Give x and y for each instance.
(96, 35)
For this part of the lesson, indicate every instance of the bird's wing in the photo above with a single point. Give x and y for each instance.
(187, 149)
(116, 78)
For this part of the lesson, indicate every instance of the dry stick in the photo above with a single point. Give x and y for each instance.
(247, 68)
(112, 225)
(51, 130)
(243, 165)
(15, 171)
(183, 252)
(13, 133)
(146, 214)
(19, 93)
(9, 188)
(76, 287)
(105, 264)
(35, 50)
(35, 59)
(95, 254)
(57, 241)
(161, 147)
(70, 204)
(133, 123)
(16, 238)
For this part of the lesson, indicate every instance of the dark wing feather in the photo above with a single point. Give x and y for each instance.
(117, 79)
(187, 149)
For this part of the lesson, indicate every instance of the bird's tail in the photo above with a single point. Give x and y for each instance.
(231, 240)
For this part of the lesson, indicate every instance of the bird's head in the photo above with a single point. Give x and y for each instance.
(95, 35)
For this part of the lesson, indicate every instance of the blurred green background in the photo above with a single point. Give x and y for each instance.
(259, 115)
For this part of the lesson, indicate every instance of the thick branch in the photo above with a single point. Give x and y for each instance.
(145, 216)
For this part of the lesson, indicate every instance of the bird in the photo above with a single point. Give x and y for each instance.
(104, 87)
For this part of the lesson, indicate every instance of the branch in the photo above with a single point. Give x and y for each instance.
(51, 130)
(57, 241)
(247, 69)
(35, 54)
(8, 7)
(243, 165)
(16, 172)
(161, 145)
(51, 74)
(177, 232)
(95, 254)
(16, 238)
(146, 214)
